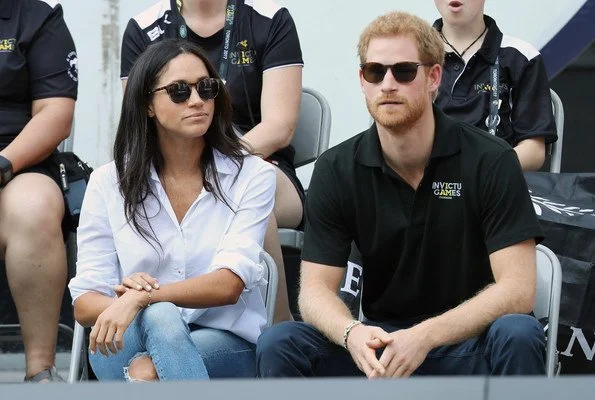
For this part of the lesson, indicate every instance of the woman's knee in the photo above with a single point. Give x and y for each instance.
(141, 369)
(165, 320)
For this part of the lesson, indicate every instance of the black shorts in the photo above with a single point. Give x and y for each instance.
(48, 167)
(289, 171)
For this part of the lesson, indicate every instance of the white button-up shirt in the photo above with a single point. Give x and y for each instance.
(211, 236)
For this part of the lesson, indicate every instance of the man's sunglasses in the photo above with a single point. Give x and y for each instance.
(179, 92)
(403, 72)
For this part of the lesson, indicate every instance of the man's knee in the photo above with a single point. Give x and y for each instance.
(142, 369)
(276, 339)
(517, 331)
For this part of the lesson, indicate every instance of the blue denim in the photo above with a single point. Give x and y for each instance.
(513, 345)
(176, 352)
(225, 355)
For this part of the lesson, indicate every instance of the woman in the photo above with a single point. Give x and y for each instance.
(174, 226)
(262, 67)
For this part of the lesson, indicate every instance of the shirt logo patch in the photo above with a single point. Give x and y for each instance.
(243, 56)
(73, 67)
(7, 45)
(447, 190)
(487, 87)
(154, 33)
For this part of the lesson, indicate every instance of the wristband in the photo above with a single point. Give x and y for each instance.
(348, 329)
(5, 171)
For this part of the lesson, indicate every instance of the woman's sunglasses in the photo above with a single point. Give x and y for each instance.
(179, 92)
(403, 72)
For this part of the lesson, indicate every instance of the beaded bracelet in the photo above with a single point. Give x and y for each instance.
(348, 329)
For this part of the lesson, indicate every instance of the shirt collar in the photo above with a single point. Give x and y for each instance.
(223, 165)
(491, 43)
(6, 9)
(447, 142)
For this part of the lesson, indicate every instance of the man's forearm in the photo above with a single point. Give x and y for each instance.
(322, 308)
(472, 317)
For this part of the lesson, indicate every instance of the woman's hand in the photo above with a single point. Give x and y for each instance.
(108, 331)
(138, 281)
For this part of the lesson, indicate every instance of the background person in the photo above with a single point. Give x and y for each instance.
(38, 89)
(473, 44)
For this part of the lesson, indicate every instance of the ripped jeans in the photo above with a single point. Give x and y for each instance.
(178, 351)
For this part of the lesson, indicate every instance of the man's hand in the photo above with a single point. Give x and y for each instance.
(108, 331)
(363, 354)
(404, 354)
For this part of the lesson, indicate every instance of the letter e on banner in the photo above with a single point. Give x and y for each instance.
(352, 279)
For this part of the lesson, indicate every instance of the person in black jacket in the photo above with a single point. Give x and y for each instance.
(476, 54)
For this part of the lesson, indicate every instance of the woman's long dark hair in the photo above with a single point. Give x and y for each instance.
(136, 147)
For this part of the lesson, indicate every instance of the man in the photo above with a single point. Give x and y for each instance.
(523, 113)
(442, 217)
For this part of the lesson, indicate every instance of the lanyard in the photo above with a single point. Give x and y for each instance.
(230, 12)
(493, 119)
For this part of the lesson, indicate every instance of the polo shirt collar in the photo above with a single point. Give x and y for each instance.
(368, 151)
(491, 44)
(447, 141)
(447, 135)
(6, 9)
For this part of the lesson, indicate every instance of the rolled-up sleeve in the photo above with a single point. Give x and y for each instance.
(240, 249)
(97, 267)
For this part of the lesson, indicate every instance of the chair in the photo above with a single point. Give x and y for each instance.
(547, 302)
(310, 140)
(555, 149)
(79, 369)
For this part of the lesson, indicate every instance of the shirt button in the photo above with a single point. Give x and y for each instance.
(456, 67)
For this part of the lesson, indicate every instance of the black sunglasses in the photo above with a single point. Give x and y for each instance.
(403, 72)
(179, 92)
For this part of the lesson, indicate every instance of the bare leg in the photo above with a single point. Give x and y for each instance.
(31, 211)
(142, 370)
(287, 214)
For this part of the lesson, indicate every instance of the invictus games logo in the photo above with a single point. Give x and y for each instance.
(73, 68)
(7, 45)
(447, 190)
(243, 56)
(486, 87)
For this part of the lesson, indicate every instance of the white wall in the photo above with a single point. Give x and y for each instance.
(328, 29)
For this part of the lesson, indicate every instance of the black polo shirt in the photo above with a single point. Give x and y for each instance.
(526, 108)
(37, 61)
(264, 36)
(423, 251)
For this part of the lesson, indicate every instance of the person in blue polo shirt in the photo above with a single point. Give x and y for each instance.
(519, 108)
(38, 89)
(441, 215)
